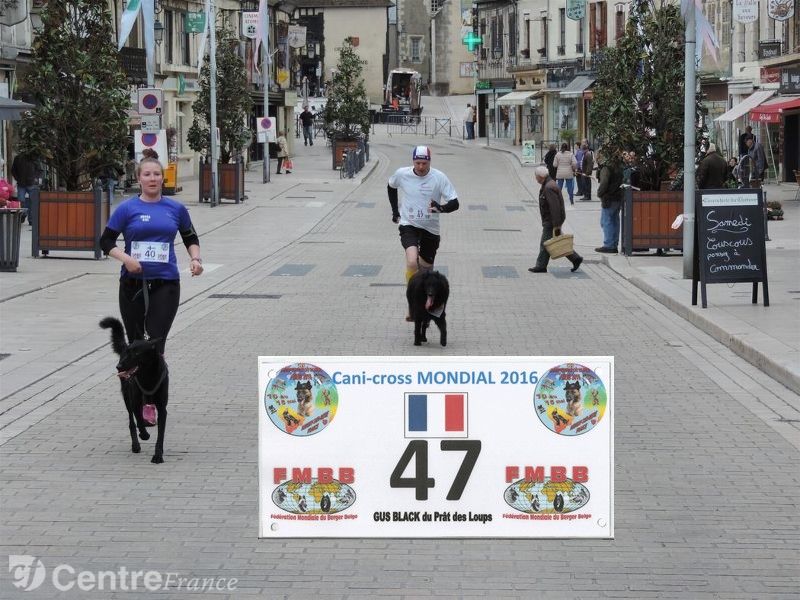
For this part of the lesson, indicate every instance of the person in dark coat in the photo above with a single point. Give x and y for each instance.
(307, 120)
(758, 157)
(26, 172)
(549, 160)
(713, 170)
(748, 133)
(551, 207)
(610, 193)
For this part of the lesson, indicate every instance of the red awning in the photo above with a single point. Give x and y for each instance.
(770, 112)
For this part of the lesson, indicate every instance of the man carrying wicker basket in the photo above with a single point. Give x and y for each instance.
(551, 206)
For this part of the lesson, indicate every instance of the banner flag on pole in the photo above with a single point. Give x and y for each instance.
(203, 35)
(127, 20)
(148, 12)
(262, 31)
(704, 31)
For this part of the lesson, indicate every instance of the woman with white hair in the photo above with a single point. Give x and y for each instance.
(551, 207)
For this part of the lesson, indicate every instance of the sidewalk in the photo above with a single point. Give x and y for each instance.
(767, 337)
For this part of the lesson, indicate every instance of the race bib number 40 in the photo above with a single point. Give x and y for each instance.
(436, 447)
(150, 251)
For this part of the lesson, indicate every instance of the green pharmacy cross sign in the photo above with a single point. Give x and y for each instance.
(472, 41)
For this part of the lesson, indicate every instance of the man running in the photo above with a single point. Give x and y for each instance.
(417, 211)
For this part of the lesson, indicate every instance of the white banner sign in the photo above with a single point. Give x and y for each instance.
(436, 447)
(296, 36)
(250, 24)
(745, 11)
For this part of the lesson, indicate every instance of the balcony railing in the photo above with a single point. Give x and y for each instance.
(496, 68)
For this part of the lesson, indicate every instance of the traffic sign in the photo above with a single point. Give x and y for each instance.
(150, 101)
(151, 123)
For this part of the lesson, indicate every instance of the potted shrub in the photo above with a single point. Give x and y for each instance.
(233, 109)
(79, 126)
(346, 115)
(635, 107)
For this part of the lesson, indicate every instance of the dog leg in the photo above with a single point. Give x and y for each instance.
(158, 456)
(135, 446)
(418, 333)
(161, 407)
(442, 330)
(425, 325)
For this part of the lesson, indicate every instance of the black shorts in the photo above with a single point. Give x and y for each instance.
(427, 242)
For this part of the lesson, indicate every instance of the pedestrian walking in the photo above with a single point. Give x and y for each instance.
(549, 161)
(610, 192)
(566, 165)
(712, 171)
(587, 169)
(307, 121)
(424, 194)
(759, 159)
(25, 171)
(578, 152)
(469, 121)
(283, 151)
(553, 213)
(149, 285)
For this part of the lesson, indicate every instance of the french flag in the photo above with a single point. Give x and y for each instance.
(436, 415)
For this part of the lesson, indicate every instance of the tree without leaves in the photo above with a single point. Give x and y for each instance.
(80, 124)
(346, 112)
(233, 102)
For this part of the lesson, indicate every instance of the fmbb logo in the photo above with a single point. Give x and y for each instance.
(27, 572)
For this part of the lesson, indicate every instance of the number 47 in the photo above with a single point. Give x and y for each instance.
(421, 482)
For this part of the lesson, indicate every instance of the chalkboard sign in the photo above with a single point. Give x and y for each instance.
(729, 240)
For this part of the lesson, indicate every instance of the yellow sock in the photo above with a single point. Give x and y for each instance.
(409, 274)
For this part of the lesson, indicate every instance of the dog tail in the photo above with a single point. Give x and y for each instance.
(117, 333)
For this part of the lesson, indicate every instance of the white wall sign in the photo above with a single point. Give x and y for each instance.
(436, 447)
(296, 36)
(250, 24)
(150, 123)
(745, 11)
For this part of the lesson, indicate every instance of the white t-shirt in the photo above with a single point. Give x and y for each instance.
(416, 193)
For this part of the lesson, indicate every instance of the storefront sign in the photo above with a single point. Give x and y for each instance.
(770, 74)
(790, 81)
(745, 11)
(518, 447)
(250, 24)
(194, 22)
(296, 36)
(528, 152)
(769, 49)
(483, 84)
(780, 10)
(576, 9)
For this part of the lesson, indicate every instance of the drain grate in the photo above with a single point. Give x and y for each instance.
(246, 296)
(477, 207)
(513, 208)
(387, 285)
(290, 270)
(365, 205)
(500, 272)
(491, 229)
(2, 356)
(362, 271)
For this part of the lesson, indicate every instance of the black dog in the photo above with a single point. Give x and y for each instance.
(427, 294)
(145, 380)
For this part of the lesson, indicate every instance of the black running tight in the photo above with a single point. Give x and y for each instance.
(164, 297)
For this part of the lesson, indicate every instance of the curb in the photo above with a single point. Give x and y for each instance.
(736, 343)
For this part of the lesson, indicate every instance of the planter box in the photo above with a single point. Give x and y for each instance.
(339, 146)
(68, 220)
(647, 218)
(231, 182)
